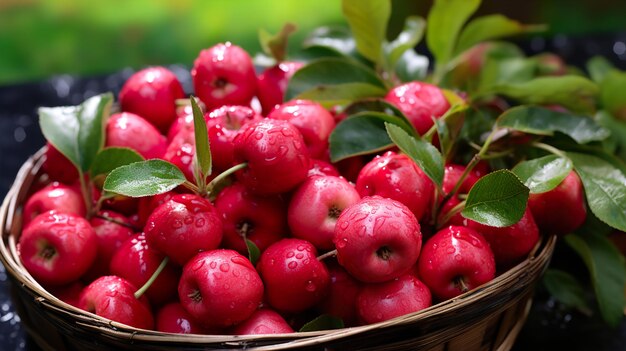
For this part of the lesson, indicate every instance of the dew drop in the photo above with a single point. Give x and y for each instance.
(290, 254)
(292, 264)
(458, 257)
(450, 250)
(300, 256)
(177, 224)
(213, 265)
(224, 267)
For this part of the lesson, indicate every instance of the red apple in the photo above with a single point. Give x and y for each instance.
(220, 288)
(272, 84)
(420, 102)
(57, 197)
(377, 239)
(561, 210)
(111, 230)
(454, 260)
(315, 206)
(172, 318)
(136, 261)
(224, 75)
(342, 295)
(57, 248)
(260, 219)
(313, 121)
(510, 244)
(113, 298)
(152, 93)
(133, 131)
(276, 156)
(382, 301)
(223, 124)
(184, 226)
(58, 167)
(263, 321)
(397, 177)
(294, 279)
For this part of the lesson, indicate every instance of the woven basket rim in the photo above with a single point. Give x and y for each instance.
(10, 222)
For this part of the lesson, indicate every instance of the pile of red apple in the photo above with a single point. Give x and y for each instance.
(355, 239)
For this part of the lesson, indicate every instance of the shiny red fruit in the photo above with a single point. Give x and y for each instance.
(133, 131)
(57, 248)
(276, 156)
(111, 232)
(58, 167)
(220, 288)
(272, 84)
(57, 197)
(420, 102)
(172, 318)
(112, 297)
(183, 226)
(152, 93)
(224, 75)
(263, 321)
(454, 260)
(341, 299)
(377, 239)
(294, 279)
(403, 295)
(260, 219)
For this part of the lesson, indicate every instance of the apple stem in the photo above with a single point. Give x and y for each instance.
(213, 183)
(459, 282)
(154, 276)
(470, 166)
(326, 255)
(191, 186)
(117, 221)
(453, 211)
(86, 192)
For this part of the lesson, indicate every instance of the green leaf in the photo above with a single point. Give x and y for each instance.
(575, 93)
(144, 178)
(411, 66)
(423, 153)
(505, 70)
(613, 93)
(361, 134)
(276, 45)
(605, 187)
(253, 251)
(598, 67)
(407, 39)
(543, 121)
(497, 199)
(368, 22)
(203, 148)
(444, 22)
(491, 27)
(608, 275)
(77, 131)
(327, 72)
(341, 94)
(112, 157)
(323, 322)
(335, 38)
(382, 106)
(543, 174)
(565, 288)
(616, 144)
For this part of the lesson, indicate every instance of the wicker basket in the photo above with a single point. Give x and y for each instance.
(487, 318)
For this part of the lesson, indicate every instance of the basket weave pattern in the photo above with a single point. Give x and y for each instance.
(486, 318)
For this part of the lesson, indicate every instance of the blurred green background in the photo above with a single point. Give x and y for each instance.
(43, 37)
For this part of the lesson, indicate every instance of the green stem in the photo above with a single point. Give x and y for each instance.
(551, 149)
(85, 189)
(191, 186)
(453, 211)
(225, 175)
(154, 276)
(103, 197)
(471, 165)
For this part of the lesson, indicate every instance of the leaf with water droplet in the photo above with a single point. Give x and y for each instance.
(145, 178)
(203, 148)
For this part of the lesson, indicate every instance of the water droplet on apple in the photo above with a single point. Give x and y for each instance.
(458, 257)
(292, 264)
(213, 265)
(450, 250)
(290, 254)
(177, 224)
(224, 267)
(200, 222)
(299, 256)
(310, 286)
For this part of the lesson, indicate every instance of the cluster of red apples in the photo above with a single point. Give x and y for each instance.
(353, 239)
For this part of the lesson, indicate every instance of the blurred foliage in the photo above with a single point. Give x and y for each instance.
(43, 37)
